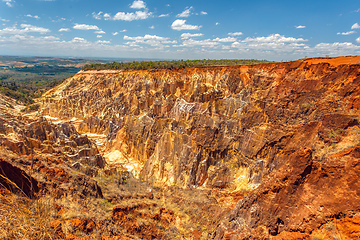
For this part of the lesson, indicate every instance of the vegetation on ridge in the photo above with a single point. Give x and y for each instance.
(26, 78)
(175, 64)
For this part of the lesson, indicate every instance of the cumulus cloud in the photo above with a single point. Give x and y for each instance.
(99, 36)
(152, 40)
(346, 33)
(274, 38)
(202, 43)
(33, 45)
(116, 33)
(25, 28)
(138, 4)
(189, 35)
(31, 16)
(217, 23)
(152, 27)
(64, 30)
(300, 26)
(4, 20)
(100, 32)
(228, 39)
(9, 3)
(235, 34)
(85, 27)
(355, 26)
(146, 37)
(275, 44)
(103, 42)
(358, 39)
(216, 43)
(164, 15)
(180, 24)
(185, 13)
(138, 15)
(203, 13)
(107, 16)
(78, 40)
(336, 48)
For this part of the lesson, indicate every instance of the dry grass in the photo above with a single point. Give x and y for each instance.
(23, 218)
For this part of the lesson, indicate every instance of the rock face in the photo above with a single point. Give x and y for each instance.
(210, 126)
(287, 134)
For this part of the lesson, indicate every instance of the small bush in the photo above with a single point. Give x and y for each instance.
(31, 108)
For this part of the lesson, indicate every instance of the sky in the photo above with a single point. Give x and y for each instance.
(172, 29)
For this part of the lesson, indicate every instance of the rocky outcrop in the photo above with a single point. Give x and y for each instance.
(301, 196)
(287, 133)
(201, 126)
(17, 180)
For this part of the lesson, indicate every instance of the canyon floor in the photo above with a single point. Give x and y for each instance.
(267, 151)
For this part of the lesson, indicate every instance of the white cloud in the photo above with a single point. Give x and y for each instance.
(152, 27)
(31, 16)
(107, 16)
(100, 32)
(235, 34)
(4, 20)
(217, 23)
(138, 15)
(202, 43)
(99, 36)
(78, 40)
(85, 27)
(146, 37)
(185, 13)
(9, 3)
(355, 26)
(180, 24)
(300, 26)
(64, 30)
(152, 40)
(124, 30)
(97, 15)
(228, 39)
(274, 38)
(203, 13)
(189, 35)
(336, 48)
(138, 4)
(25, 28)
(115, 33)
(216, 43)
(164, 15)
(358, 39)
(346, 33)
(274, 44)
(35, 45)
(103, 42)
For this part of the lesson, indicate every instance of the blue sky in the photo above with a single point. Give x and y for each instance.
(172, 29)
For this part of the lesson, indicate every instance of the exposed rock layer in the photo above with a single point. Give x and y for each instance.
(288, 133)
(200, 126)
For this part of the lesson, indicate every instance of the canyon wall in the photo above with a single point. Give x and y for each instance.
(268, 151)
(223, 127)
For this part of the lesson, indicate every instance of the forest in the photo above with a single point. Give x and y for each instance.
(174, 64)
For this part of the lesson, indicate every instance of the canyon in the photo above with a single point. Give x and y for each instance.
(266, 151)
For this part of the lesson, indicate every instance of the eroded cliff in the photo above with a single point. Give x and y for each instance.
(236, 128)
(285, 134)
